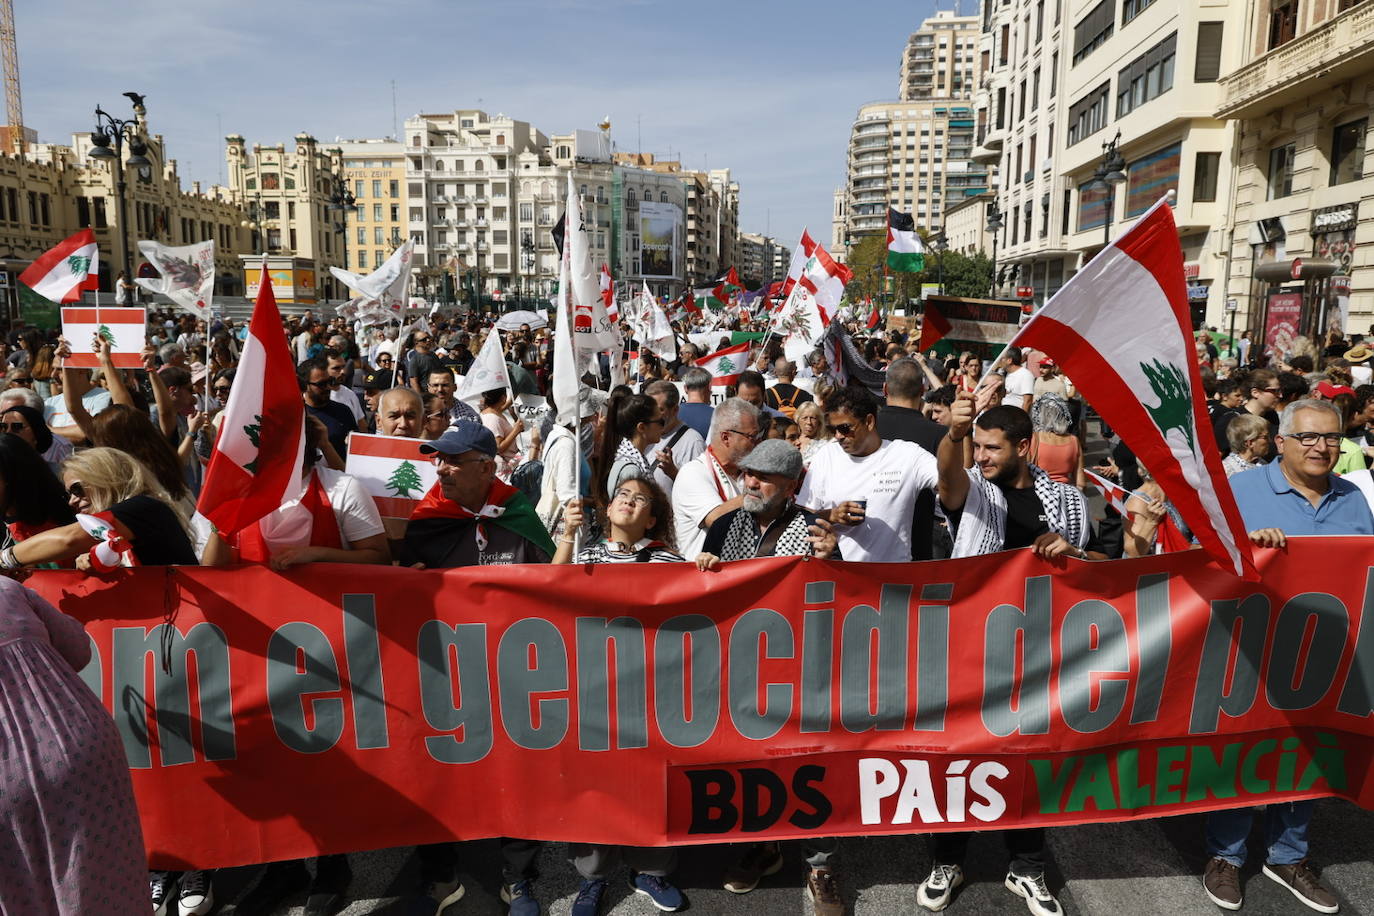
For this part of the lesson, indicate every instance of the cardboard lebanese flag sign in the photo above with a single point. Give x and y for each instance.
(1121, 329)
(124, 327)
(392, 470)
(726, 365)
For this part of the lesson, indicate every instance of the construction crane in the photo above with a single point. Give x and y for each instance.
(14, 103)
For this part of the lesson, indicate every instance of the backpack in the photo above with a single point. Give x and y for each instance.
(787, 408)
(528, 478)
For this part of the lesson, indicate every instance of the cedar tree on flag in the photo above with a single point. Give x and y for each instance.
(63, 271)
(1121, 329)
(256, 463)
(800, 254)
(905, 253)
(726, 365)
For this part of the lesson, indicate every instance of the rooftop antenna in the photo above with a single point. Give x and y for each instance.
(219, 126)
(395, 125)
(639, 134)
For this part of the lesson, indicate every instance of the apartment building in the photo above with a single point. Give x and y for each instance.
(760, 259)
(1299, 97)
(940, 59)
(375, 173)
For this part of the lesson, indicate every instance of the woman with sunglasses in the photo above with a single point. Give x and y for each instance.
(123, 518)
(633, 423)
(27, 423)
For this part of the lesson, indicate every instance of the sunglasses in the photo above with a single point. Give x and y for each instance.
(844, 429)
(76, 490)
(220, 389)
(25, 380)
(327, 383)
(13, 427)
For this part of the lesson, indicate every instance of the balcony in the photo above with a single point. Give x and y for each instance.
(438, 199)
(480, 201)
(1324, 57)
(480, 224)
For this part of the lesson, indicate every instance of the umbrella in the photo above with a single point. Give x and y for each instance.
(511, 321)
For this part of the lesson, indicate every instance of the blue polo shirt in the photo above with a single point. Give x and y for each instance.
(1267, 500)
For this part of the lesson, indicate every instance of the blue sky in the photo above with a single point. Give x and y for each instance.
(765, 88)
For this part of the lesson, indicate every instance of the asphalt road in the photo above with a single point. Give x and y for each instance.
(1144, 867)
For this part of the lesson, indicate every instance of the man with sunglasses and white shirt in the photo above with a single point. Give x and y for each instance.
(1294, 495)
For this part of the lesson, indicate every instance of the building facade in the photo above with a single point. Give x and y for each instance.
(966, 225)
(375, 174)
(1300, 98)
(940, 59)
(760, 258)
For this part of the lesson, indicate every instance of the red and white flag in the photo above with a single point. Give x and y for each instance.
(726, 365)
(1113, 493)
(256, 464)
(800, 254)
(63, 271)
(1121, 330)
(392, 470)
(875, 316)
(608, 294)
(125, 328)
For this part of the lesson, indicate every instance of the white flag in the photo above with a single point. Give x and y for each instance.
(593, 330)
(652, 327)
(488, 371)
(565, 374)
(187, 274)
(385, 286)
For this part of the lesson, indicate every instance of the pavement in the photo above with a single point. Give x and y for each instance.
(1122, 869)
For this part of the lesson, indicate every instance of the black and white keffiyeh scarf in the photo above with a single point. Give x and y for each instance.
(983, 524)
(743, 537)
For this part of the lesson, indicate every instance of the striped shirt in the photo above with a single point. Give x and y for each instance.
(646, 551)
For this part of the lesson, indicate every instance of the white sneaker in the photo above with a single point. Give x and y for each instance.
(159, 888)
(1032, 889)
(197, 897)
(935, 891)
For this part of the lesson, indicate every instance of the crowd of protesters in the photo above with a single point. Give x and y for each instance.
(101, 468)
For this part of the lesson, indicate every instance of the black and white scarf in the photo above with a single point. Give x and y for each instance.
(983, 524)
(743, 537)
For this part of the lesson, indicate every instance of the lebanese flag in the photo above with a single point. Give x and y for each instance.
(256, 464)
(800, 255)
(62, 272)
(1113, 493)
(905, 253)
(726, 365)
(124, 327)
(608, 294)
(392, 470)
(1120, 328)
(934, 325)
(825, 278)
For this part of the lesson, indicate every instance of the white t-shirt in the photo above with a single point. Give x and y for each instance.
(698, 490)
(1020, 382)
(347, 398)
(890, 479)
(688, 446)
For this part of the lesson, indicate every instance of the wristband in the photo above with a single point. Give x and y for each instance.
(8, 559)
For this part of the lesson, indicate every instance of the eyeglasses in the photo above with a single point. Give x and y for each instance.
(1310, 439)
(1273, 390)
(24, 380)
(660, 421)
(220, 389)
(76, 490)
(455, 462)
(13, 427)
(844, 429)
(638, 500)
(328, 383)
(752, 437)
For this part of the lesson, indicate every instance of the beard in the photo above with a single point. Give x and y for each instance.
(757, 505)
(1006, 474)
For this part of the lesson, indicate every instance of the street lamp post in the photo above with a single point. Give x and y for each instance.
(341, 202)
(477, 265)
(527, 250)
(1106, 176)
(995, 227)
(111, 130)
(941, 246)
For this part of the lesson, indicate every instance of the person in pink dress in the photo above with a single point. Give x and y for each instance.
(70, 840)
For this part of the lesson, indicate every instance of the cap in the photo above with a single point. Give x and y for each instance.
(1359, 354)
(197, 372)
(1047, 361)
(379, 379)
(169, 323)
(1327, 390)
(463, 436)
(774, 456)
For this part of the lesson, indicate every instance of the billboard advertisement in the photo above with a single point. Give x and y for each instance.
(659, 227)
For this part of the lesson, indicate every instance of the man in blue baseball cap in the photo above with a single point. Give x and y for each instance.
(471, 518)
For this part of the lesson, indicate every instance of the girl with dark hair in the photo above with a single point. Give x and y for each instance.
(28, 424)
(633, 423)
(494, 418)
(33, 498)
(122, 427)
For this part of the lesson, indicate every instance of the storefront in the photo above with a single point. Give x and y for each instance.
(1333, 240)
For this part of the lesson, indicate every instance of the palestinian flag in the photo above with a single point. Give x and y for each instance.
(256, 463)
(730, 283)
(726, 365)
(62, 272)
(905, 253)
(934, 325)
(1121, 329)
(714, 299)
(875, 315)
(438, 523)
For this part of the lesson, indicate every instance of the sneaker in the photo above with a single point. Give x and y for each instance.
(936, 890)
(159, 889)
(1032, 889)
(660, 892)
(520, 897)
(197, 897)
(758, 861)
(824, 893)
(1221, 881)
(1302, 882)
(437, 891)
(588, 902)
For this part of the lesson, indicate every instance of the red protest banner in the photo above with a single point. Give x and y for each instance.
(339, 708)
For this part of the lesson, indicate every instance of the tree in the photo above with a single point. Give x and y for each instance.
(965, 275)
(403, 480)
(866, 259)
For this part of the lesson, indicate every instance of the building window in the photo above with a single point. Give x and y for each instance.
(526, 213)
(1207, 65)
(362, 235)
(395, 213)
(1093, 30)
(376, 187)
(1281, 171)
(376, 235)
(1089, 114)
(1283, 24)
(1133, 8)
(362, 258)
(377, 213)
(1205, 170)
(1147, 77)
(1347, 151)
(663, 197)
(630, 195)
(394, 188)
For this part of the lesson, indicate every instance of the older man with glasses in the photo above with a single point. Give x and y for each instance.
(709, 486)
(1294, 495)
